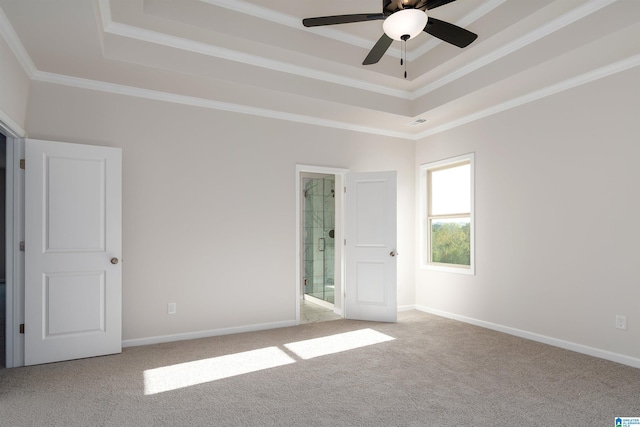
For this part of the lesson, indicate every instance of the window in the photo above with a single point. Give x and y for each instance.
(447, 215)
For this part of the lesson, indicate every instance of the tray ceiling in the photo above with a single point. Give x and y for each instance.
(255, 57)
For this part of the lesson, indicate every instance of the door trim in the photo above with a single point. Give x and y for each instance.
(14, 205)
(340, 174)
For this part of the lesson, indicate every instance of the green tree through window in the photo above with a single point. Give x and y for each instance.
(451, 242)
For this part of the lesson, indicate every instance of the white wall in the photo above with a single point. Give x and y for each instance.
(209, 203)
(557, 233)
(14, 90)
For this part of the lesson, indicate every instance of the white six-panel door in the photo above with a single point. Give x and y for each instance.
(72, 251)
(371, 266)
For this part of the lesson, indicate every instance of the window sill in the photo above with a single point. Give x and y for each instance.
(457, 270)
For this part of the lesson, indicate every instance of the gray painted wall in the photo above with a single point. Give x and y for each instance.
(556, 239)
(209, 203)
(556, 188)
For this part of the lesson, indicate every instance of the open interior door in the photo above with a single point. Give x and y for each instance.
(371, 266)
(73, 274)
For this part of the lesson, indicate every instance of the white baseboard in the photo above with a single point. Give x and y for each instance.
(225, 331)
(206, 334)
(567, 345)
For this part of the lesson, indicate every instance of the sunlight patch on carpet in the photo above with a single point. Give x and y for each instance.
(337, 343)
(188, 374)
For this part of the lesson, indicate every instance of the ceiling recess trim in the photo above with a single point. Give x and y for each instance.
(11, 37)
(154, 37)
(599, 73)
(552, 26)
(137, 92)
(467, 20)
(254, 10)
(148, 36)
(176, 42)
(570, 83)
(260, 12)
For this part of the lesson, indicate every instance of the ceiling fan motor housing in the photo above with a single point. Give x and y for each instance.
(403, 20)
(405, 24)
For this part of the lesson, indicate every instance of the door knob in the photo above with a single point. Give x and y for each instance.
(114, 261)
(393, 253)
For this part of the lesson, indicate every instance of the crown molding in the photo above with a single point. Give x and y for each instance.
(114, 88)
(128, 31)
(13, 41)
(256, 11)
(141, 34)
(568, 18)
(467, 20)
(9, 35)
(579, 80)
(176, 42)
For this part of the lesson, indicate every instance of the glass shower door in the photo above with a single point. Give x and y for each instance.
(319, 247)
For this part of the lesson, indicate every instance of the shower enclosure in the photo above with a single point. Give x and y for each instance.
(318, 237)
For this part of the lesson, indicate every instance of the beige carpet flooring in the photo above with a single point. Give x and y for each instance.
(427, 371)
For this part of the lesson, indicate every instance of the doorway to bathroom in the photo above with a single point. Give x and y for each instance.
(318, 234)
(319, 243)
(362, 237)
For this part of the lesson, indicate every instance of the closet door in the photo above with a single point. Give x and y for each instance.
(73, 241)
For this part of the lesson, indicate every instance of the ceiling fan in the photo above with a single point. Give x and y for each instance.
(403, 20)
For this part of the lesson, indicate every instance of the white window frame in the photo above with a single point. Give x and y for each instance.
(424, 215)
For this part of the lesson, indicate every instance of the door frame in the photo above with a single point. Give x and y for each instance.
(340, 174)
(14, 225)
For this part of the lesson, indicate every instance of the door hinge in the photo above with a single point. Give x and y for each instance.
(22, 328)
(22, 164)
(345, 242)
(21, 246)
(345, 189)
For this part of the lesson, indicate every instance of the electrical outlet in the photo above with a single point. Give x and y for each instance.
(171, 308)
(621, 322)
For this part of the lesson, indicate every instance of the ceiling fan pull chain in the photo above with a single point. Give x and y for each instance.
(402, 20)
(404, 43)
(403, 52)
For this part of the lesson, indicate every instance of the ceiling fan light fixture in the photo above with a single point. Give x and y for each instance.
(409, 22)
